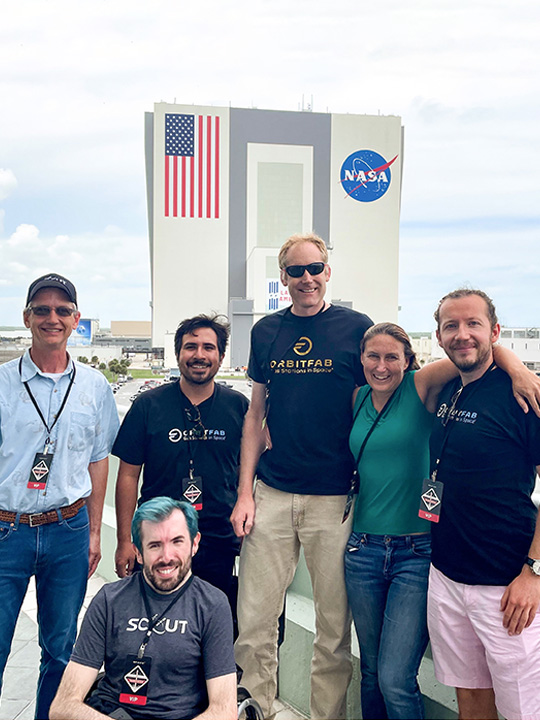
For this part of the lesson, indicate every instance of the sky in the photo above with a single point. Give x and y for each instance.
(77, 78)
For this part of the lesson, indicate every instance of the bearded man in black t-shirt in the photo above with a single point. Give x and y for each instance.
(305, 364)
(484, 587)
(185, 438)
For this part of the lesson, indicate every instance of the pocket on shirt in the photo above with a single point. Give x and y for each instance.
(81, 431)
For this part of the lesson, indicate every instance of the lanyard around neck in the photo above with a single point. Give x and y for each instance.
(192, 444)
(449, 421)
(34, 401)
(379, 417)
(154, 622)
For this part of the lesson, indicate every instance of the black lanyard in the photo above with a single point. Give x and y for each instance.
(379, 417)
(34, 401)
(451, 409)
(288, 311)
(193, 444)
(154, 622)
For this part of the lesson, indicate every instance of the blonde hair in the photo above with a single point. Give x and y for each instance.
(296, 240)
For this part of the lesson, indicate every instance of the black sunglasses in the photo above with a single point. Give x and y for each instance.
(296, 271)
(45, 310)
(194, 415)
(453, 403)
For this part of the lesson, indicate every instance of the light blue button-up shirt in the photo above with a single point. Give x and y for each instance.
(84, 433)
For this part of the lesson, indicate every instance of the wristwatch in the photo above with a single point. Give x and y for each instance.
(534, 565)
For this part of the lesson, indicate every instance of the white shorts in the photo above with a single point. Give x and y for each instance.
(472, 649)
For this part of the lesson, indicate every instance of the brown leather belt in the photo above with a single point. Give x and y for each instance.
(45, 518)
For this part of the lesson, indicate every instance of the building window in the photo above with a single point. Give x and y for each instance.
(279, 202)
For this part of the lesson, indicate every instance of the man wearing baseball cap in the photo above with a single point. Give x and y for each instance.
(58, 421)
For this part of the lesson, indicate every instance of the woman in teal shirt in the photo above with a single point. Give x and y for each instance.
(388, 555)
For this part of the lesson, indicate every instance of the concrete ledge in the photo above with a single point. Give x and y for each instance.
(295, 660)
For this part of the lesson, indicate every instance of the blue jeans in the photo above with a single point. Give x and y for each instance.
(57, 554)
(387, 578)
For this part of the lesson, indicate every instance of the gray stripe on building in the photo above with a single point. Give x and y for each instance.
(280, 128)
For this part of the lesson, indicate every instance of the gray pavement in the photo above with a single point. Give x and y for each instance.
(21, 674)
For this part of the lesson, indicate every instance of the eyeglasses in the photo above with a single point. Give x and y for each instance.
(194, 415)
(44, 310)
(296, 271)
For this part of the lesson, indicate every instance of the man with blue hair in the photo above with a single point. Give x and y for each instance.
(163, 635)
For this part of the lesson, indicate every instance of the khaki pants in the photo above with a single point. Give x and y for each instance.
(283, 523)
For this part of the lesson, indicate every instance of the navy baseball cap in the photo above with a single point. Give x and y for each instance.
(52, 280)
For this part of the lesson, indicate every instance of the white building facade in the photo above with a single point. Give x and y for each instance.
(227, 186)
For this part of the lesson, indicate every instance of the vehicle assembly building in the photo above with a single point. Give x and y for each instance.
(227, 186)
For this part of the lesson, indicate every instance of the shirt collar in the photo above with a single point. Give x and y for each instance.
(29, 369)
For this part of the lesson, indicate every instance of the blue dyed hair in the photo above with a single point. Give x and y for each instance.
(159, 509)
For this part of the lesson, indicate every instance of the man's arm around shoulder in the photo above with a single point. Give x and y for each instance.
(69, 701)
(221, 698)
(254, 442)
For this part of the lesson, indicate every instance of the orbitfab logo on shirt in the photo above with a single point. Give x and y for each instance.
(365, 175)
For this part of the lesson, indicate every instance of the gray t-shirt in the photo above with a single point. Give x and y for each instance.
(191, 644)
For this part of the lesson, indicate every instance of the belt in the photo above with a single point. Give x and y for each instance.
(45, 518)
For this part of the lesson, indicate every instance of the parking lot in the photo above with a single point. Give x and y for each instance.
(131, 388)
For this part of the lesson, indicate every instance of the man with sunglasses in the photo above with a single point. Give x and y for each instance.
(305, 364)
(58, 420)
(185, 438)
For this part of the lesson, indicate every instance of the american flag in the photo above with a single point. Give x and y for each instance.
(191, 166)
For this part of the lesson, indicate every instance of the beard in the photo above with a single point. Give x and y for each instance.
(470, 364)
(198, 378)
(167, 584)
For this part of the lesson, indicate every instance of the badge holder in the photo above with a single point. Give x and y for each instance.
(192, 490)
(431, 499)
(41, 467)
(134, 690)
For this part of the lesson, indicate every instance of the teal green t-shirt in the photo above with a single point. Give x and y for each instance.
(394, 462)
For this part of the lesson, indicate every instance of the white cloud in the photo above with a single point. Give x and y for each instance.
(109, 269)
(462, 74)
(8, 182)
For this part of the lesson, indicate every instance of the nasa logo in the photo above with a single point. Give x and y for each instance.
(365, 175)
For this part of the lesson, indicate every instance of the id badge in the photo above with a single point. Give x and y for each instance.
(135, 680)
(39, 474)
(430, 500)
(192, 491)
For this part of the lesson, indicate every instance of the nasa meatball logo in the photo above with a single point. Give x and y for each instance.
(365, 175)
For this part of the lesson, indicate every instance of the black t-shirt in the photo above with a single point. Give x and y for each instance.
(488, 468)
(157, 433)
(312, 365)
(193, 643)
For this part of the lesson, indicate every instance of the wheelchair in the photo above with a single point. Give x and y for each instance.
(248, 707)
